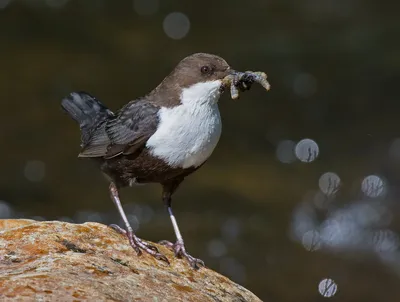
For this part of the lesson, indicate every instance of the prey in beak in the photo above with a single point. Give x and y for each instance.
(242, 81)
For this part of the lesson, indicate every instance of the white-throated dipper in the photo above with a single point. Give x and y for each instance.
(159, 138)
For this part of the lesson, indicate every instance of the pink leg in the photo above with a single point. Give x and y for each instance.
(137, 244)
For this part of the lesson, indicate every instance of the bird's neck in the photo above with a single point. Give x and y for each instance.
(169, 94)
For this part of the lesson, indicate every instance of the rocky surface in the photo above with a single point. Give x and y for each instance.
(59, 261)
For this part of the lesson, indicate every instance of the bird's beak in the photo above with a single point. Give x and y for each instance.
(227, 77)
(230, 71)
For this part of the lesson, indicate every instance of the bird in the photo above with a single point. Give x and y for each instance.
(162, 137)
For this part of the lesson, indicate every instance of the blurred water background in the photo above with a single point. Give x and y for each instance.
(300, 200)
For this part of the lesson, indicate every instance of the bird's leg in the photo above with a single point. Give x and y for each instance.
(178, 247)
(137, 244)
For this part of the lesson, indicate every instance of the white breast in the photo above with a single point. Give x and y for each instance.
(187, 134)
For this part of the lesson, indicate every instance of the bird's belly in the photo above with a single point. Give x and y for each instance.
(186, 139)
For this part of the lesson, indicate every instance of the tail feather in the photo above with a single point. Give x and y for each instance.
(87, 111)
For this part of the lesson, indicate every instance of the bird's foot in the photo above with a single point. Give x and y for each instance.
(138, 244)
(179, 249)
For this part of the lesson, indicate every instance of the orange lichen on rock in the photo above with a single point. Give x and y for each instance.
(59, 261)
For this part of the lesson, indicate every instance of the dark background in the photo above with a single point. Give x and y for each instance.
(260, 211)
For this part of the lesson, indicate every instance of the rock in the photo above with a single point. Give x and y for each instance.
(59, 261)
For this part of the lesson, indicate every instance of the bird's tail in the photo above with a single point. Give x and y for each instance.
(87, 111)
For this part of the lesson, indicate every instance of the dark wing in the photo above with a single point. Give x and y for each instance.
(124, 133)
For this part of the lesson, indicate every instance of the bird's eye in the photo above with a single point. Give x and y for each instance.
(205, 70)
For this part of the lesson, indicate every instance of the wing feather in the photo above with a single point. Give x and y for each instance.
(124, 133)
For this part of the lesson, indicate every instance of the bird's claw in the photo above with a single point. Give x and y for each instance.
(195, 263)
(167, 244)
(162, 257)
(123, 232)
(180, 252)
(139, 245)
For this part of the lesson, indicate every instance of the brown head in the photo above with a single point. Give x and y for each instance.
(200, 67)
(194, 69)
